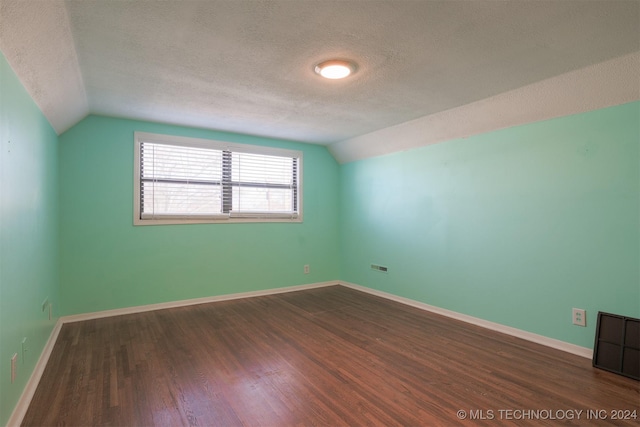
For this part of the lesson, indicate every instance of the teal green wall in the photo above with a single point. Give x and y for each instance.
(516, 226)
(107, 263)
(28, 233)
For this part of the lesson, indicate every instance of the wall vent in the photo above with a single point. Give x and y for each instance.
(379, 268)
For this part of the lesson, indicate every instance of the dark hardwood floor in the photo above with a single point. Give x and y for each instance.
(322, 357)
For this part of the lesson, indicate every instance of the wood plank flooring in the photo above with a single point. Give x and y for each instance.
(323, 357)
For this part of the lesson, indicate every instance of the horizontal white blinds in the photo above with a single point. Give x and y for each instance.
(180, 181)
(262, 183)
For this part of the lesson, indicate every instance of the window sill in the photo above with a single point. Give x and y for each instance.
(137, 221)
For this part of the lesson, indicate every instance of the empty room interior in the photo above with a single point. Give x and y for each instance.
(319, 212)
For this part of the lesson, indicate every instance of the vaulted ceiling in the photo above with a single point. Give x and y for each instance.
(247, 65)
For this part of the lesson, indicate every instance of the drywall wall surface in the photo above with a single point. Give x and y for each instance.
(107, 262)
(28, 234)
(516, 226)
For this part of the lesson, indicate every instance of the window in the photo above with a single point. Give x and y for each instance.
(186, 180)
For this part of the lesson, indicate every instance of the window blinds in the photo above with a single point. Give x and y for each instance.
(187, 182)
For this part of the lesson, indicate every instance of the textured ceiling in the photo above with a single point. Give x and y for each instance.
(247, 65)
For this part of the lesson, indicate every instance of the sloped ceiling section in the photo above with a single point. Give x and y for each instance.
(247, 65)
(606, 84)
(36, 39)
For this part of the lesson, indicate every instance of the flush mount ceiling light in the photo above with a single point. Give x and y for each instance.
(335, 69)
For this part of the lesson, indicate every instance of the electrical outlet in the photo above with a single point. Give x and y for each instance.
(24, 350)
(307, 270)
(14, 366)
(579, 317)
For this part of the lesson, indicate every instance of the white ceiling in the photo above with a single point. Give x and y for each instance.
(247, 65)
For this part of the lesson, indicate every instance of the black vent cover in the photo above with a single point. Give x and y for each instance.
(617, 345)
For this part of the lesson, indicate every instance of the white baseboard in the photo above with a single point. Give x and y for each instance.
(194, 301)
(27, 394)
(519, 333)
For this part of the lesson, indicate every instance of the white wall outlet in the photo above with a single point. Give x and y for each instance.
(307, 270)
(24, 350)
(579, 317)
(14, 366)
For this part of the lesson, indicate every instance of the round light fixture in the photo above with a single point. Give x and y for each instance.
(335, 69)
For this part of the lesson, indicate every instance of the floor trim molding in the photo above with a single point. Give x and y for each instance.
(194, 301)
(519, 333)
(30, 388)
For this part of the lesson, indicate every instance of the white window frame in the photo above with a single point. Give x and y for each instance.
(140, 137)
